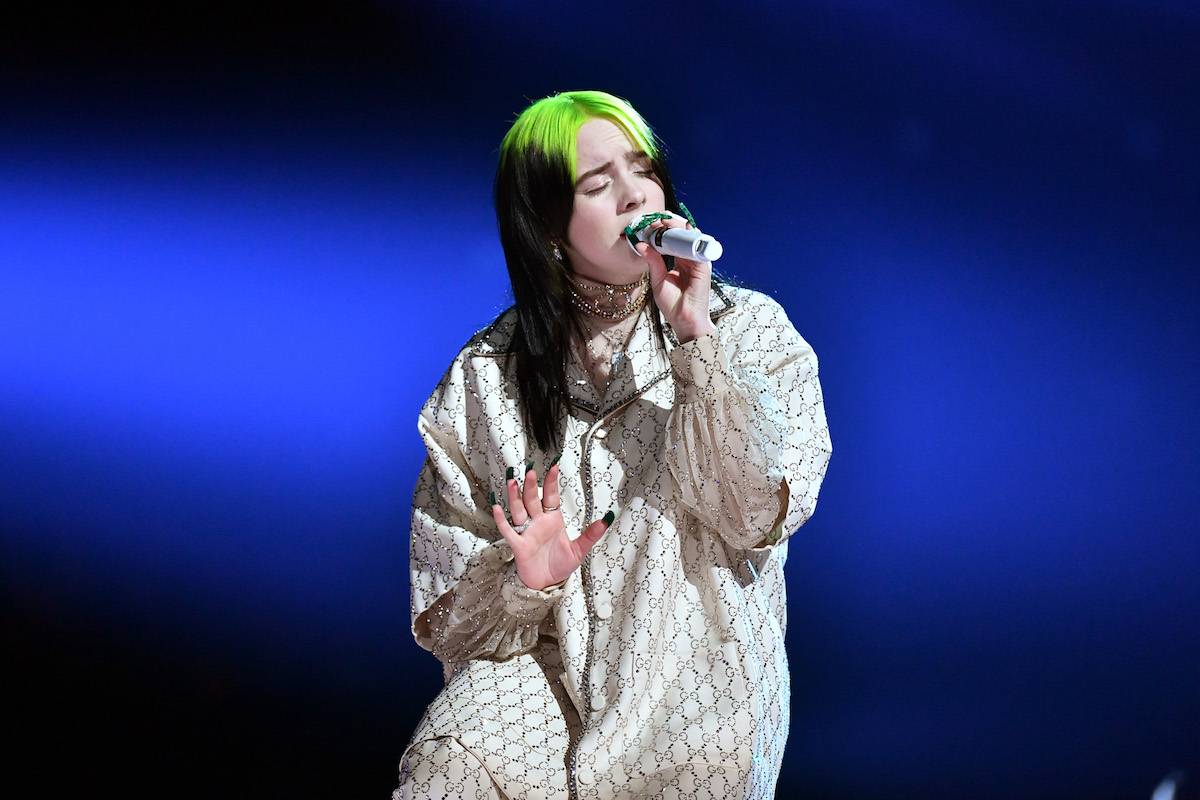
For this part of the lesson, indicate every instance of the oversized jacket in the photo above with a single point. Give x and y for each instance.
(658, 666)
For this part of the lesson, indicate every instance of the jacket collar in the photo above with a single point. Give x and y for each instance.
(645, 363)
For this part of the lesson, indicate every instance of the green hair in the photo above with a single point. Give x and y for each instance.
(551, 126)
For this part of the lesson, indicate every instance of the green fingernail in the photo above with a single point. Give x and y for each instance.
(556, 458)
(529, 465)
(491, 498)
(608, 518)
(684, 210)
(509, 473)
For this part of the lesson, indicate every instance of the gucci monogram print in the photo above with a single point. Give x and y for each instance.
(658, 668)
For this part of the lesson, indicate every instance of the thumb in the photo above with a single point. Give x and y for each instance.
(592, 533)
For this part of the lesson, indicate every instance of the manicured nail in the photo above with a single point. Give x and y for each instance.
(491, 498)
(555, 461)
(608, 518)
(509, 473)
(528, 465)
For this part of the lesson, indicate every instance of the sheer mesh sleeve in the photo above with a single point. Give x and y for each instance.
(748, 424)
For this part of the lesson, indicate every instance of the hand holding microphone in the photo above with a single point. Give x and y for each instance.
(682, 292)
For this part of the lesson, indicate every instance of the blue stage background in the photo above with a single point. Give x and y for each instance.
(238, 248)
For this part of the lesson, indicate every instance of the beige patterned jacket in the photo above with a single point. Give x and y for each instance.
(660, 663)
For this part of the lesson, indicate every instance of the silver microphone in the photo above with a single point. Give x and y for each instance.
(689, 243)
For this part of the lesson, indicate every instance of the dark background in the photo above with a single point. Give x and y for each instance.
(238, 247)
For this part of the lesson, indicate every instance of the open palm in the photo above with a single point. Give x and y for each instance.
(544, 553)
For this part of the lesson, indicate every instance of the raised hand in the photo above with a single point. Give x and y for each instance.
(544, 553)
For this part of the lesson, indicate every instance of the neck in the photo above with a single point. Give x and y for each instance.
(607, 302)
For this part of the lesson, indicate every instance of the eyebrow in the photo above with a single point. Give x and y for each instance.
(632, 155)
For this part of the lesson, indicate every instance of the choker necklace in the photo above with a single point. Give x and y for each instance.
(608, 300)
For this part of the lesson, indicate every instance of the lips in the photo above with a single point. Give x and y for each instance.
(633, 220)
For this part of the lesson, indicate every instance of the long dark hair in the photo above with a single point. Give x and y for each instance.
(534, 197)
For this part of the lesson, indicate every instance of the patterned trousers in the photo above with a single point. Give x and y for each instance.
(443, 768)
(497, 730)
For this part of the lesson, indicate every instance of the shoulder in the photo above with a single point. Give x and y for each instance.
(757, 326)
(474, 363)
(495, 338)
(744, 306)
(490, 341)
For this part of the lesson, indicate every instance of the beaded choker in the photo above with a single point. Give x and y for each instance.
(608, 300)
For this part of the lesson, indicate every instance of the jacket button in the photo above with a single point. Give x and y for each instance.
(599, 701)
(603, 609)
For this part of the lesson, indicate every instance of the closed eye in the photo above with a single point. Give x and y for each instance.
(604, 186)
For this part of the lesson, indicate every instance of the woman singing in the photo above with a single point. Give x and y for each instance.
(615, 466)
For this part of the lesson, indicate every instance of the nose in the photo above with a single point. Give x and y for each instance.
(633, 196)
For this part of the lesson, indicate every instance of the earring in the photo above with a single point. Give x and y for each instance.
(557, 252)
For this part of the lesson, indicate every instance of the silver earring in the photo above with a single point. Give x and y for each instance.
(557, 252)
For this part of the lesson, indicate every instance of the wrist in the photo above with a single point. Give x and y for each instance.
(537, 586)
(686, 334)
(701, 368)
(525, 602)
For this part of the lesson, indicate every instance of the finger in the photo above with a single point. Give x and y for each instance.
(533, 503)
(516, 508)
(653, 258)
(694, 270)
(673, 221)
(512, 537)
(550, 488)
(658, 267)
(592, 533)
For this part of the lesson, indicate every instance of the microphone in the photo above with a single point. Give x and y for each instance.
(687, 243)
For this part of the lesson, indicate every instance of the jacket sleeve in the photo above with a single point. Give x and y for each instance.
(749, 423)
(467, 601)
